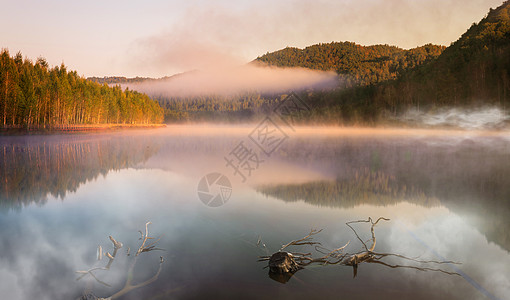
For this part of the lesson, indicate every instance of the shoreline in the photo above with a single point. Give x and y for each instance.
(212, 129)
(204, 128)
(78, 128)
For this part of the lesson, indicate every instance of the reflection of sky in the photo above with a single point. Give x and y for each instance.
(210, 251)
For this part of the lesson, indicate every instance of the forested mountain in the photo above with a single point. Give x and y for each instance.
(475, 68)
(473, 71)
(35, 95)
(377, 83)
(358, 65)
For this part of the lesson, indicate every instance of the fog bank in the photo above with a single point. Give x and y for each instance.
(235, 80)
(481, 118)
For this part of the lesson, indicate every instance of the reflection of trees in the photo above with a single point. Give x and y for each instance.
(470, 177)
(30, 171)
(470, 182)
(364, 187)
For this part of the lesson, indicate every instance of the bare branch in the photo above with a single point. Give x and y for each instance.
(111, 258)
(288, 263)
(307, 240)
(371, 230)
(359, 221)
(144, 247)
(412, 267)
(144, 238)
(382, 255)
(129, 287)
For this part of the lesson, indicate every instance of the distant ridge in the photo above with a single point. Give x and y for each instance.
(377, 84)
(361, 65)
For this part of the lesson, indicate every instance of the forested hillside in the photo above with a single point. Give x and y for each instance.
(473, 71)
(35, 95)
(358, 65)
(377, 83)
(475, 68)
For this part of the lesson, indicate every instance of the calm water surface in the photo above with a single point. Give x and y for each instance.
(447, 195)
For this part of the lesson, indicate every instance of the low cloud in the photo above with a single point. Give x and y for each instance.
(235, 80)
(207, 36)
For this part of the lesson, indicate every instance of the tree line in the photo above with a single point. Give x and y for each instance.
(359, 68)
(377, 84)
(473, 71)
(35, 95)
(356, 64)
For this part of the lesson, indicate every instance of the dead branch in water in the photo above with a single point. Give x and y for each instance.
(128, 286)
(111, 258)
(371, 230)
(307, 240)
(287, 263)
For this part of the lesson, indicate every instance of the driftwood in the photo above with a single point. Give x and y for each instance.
(128, 286)
(282, 264)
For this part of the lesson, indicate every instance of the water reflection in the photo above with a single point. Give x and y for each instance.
(364, 187)
(34, 167)
(471, 178)
(440, 193)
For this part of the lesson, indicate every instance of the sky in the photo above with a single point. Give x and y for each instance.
(156, 38)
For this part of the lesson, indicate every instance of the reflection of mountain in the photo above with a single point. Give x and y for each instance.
(32, 169)
(364, 187)
(470, 177)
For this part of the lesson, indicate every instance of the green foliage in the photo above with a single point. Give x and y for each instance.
(34, 95)
(233, 108)
(377, 83)
(358, 65)
(474, 70)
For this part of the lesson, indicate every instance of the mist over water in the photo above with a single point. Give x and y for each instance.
(87, 187)
(235, 80)
(471, 119)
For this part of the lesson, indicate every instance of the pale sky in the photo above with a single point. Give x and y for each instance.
(158, 38)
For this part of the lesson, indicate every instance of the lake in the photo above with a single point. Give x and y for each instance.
(219, 197)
